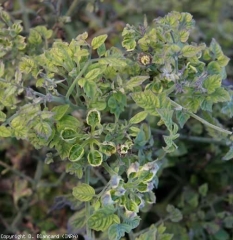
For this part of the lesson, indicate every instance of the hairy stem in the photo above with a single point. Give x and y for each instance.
(71, 88)
(87, 204)
(17, 172)
(26, 21)
(199, 118)
(72, 7)
(191, 138)
(175, 57)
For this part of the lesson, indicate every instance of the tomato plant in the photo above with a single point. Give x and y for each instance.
(96, 108)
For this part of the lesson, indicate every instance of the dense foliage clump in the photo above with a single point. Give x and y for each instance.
(99, 109)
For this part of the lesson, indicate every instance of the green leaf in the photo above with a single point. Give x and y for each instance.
(228, 222)
(139, 117)
(95, 158)
(222, 235)
(117, 102)
(132, 222)
(146, 100)
(229, 154)
(5, 17)
(93, 118)
(182, 118)
(60, 111)
(175, 214)
(98, 104)
(101, 50)
(98, 41)
(77, 221)
(228, 109)
(166, 117)
(166, 236)
(215, 48)
(213, 68)
(76, 152)
(43, 129)
(102, 219)
(149, 234)
(75, 168)
(117, 231)
(203, 189)
(140, 139)
(211, 227)
(5, 131)
(207, 105)
(90, 88)
(84, 192)
(211, 83)
(135, 81)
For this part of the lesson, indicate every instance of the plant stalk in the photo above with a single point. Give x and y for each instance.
(200, 119)
(71, 88)
(87, 204)
(26, 21)
(72, 7)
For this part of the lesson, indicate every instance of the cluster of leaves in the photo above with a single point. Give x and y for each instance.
(160, 73)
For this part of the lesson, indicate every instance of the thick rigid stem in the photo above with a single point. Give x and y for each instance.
(199, 118)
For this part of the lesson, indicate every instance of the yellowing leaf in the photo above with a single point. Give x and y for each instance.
(219, 95)
(139, 117)
(95, 158)
(93, 74)
(98, 41)
(146, 100)
(93, 118)
(2, 68)
(76, 153)
(5, 131)
(2, 116)
(84, 192)
(212, 82)
(113, 61)
(102, 219)
(191, 51)
(60, 111)
(43, 129)
(136, 81)
(129, 43)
